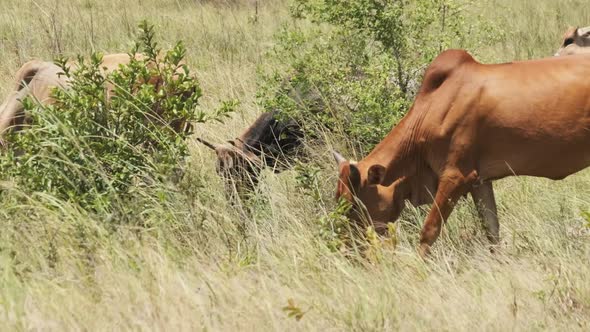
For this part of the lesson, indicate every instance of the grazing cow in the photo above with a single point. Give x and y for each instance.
(268, 142)
(38, 78)
(575, 41)
(472, 123)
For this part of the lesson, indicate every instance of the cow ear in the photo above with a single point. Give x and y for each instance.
(376, 174)
(207, 144)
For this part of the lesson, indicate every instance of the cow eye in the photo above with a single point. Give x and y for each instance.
(568, 41)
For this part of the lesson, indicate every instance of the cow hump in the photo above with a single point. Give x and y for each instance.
(442, 68)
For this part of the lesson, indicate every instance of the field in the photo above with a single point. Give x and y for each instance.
(206, 265)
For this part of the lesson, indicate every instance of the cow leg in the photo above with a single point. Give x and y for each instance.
(452, 185)
(483, 197)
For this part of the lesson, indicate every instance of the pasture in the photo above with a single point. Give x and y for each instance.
(196, 262)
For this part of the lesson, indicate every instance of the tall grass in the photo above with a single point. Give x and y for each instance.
(199, 263)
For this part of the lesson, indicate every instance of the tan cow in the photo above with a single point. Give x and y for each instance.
(470, 124)
(575, 41)
(37, 79)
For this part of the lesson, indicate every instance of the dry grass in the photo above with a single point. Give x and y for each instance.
(208, 266)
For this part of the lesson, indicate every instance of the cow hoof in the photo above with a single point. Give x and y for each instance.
(494, 248)
(424, 250)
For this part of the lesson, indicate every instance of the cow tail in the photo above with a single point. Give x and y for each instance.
(12, 111)
(27, 72)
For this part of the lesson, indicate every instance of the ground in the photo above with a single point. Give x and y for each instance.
(268, 269)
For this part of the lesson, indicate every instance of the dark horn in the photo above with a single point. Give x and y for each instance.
(338, 157)
(207, 144)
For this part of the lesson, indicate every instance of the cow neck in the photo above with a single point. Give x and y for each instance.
(397, 152)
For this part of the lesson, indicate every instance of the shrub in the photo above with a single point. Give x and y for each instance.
(108, 135)
(357, 69)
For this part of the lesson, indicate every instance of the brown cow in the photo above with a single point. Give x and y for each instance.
(575, 41)
(472, 123)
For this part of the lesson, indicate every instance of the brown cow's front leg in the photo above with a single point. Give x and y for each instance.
(452, 185)
(483, 196)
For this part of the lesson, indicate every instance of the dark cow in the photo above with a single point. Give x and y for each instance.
(269, 142)
(471, 124)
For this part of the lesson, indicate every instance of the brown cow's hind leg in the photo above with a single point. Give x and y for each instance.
(452, 185)
(483, 196)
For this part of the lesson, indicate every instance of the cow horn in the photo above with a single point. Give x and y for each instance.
(207, 144)
(338, 157)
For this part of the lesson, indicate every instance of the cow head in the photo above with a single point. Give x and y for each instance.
(270, 141)
(372, 203)
(574, 41)
(236, 164)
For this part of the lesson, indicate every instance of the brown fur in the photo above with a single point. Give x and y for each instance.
(473, 123)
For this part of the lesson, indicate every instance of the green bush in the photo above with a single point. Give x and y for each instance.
(108, 135)
(357, 69)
